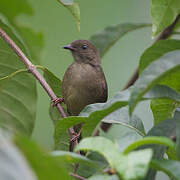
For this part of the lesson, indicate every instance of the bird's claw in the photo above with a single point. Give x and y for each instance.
(76, 136)
(56, 101)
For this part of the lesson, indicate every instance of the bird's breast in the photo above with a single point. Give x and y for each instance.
(83, 85)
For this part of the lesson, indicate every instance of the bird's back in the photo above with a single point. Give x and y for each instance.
(83, 84)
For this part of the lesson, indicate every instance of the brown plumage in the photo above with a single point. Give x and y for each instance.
(84, 81)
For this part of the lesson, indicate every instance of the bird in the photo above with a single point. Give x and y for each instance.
(84, 81)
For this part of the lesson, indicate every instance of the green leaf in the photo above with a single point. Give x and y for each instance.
(138, 164)
(73, 8)
(103, 177)
(123, 135)
(13, 165)
(163, 93)
(12, 13)
(56, 85)
(164, 100)
(54, 113)
(163, 14)
(9, 29)
(129, 126)
(156, 51)
(86, 171)
(106, 38)
(163, 109)
(167, 107)
(93, 114)
(121, 117)
(171, 154)
(18, 94)
(61, 135)
(101, 145)
(70, 157)
(137, 123)
(6, 79)
(153, 75)
(124, 130)
(90, 117)
(44, 165)
(165, 128)
(52, 80)
(151, 140)
(170, 167)
(132, 166)
(177, 119)
(33, 40)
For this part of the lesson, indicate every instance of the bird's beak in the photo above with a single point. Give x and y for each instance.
(69, 47)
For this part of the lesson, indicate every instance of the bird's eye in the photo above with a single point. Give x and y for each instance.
(84, 46)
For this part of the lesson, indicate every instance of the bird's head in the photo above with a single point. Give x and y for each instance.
(84, 51)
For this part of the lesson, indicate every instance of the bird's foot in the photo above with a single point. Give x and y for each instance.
(76, 136)
(56, 101)
(173, 138)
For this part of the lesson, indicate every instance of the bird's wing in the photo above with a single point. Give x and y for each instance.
(104, 90)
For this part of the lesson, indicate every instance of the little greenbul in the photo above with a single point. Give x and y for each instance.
(84, 81)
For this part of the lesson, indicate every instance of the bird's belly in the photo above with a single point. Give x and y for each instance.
(80, 95)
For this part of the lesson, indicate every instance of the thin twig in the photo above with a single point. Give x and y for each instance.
(164, 35)
(132, 80)
(169, 30)
(77, 176)
(31, 67)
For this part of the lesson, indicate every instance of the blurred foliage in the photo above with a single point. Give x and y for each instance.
(18, 96)
(73, 8)
(132, 153)
(105, 39)
(33, 41)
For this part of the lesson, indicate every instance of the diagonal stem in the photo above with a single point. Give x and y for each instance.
(32, 68)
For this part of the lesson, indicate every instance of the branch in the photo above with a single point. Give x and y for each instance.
(132, 80)
(169, 30)
(77, 176)
(31, 67)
